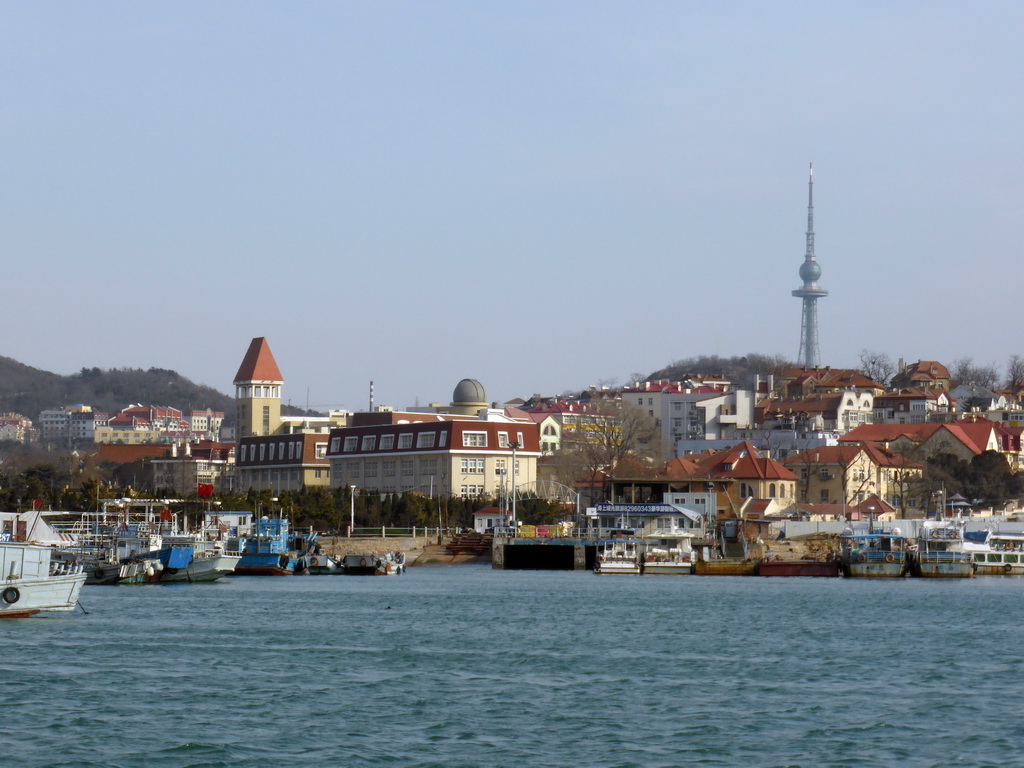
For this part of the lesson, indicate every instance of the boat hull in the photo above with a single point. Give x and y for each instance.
(812, 568)
(726, 568)
(668, 568)
(875, 570)
(33, 595)
(202, 569)
(623, 569)
(944, 568)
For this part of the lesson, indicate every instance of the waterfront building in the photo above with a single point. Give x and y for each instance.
(275, 452)
(448, 454)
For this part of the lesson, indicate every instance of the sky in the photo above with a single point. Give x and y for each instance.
(541, 196)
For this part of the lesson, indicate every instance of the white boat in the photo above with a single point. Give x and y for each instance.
(31, 582)
(1001, 554)
(618, 555)
(391, 564)
(668, 553)
(209, 560)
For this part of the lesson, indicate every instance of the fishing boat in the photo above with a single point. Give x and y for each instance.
(873, 555)
(668, 554)
(1000, 554)
(940, 552)
(275, 550)
(619, 554)
(324, 565)
(391, 564)
(34, 582)
(210, 561)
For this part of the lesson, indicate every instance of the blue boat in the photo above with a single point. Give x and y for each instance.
(275, 550)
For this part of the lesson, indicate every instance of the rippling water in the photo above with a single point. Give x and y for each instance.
(465, 666)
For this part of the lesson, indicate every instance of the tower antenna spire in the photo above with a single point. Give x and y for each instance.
(810, 354)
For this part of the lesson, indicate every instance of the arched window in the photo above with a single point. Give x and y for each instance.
(771, 491)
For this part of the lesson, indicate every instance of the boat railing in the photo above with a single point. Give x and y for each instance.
(877, 556)
(385, 532)
(944, 557)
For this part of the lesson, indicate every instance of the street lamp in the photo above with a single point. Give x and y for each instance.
(513, 445)
(352, 509)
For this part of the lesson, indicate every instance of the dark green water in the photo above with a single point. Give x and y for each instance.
(474, 667)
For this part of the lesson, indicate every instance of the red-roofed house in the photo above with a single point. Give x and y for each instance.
(847, 474)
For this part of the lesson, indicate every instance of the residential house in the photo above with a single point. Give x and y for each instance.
(830, 412)
(913, 405)
(183, 469)
(924, 374)
(847, 474)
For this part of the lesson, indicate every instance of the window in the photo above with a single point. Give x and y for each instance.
(503, 436)
(472, 466)
(443, 440)
(291, 450)
(369, 442)
(405, 441)
(823, 496)
(335, 444)
(387, 442)
(474, 439)
(426, 440)
(407, 469)
(370, 469)
(771, 491)
(271, 457)
(388, 468)
(319, 451)
(428, 466)
(263, 451)
(351, 443)
(243, 451)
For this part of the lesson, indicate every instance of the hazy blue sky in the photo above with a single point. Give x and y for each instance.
(537, 195)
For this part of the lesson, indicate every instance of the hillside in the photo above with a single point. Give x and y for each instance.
(28, 390)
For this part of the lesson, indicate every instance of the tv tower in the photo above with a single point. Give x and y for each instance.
(810, 354)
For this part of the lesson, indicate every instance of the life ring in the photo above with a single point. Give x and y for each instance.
(11, 595)
(1006, 569)
(890, 558)
(362, 562)
(862, 558)
(314, 561)
(98, 573)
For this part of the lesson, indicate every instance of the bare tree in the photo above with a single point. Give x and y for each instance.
(609, 434)
(877, 366)
(1014, 371)
(964, 371)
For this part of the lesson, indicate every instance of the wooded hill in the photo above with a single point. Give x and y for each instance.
(27, 390)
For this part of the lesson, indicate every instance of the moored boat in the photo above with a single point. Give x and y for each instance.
(873, 555)
(940, 552)
(619, 555)
(274, 550)
(34, 582)
(668, 554)
(1001, 554)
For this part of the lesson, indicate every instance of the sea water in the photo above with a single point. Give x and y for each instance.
(467, 666)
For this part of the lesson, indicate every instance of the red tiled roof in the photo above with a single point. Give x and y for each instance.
(258, 363)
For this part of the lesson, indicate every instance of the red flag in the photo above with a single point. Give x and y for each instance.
(205, 490)
(166, 516)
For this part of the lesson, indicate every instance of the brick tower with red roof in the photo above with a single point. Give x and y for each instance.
(258, 392)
